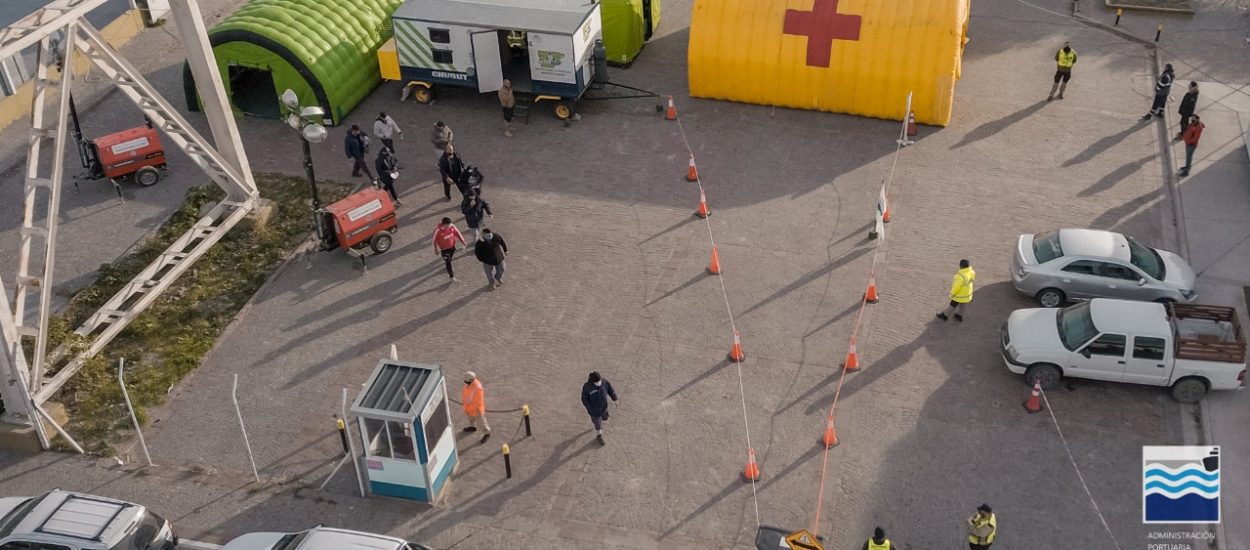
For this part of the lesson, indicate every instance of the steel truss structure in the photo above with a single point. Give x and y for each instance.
(65, 39)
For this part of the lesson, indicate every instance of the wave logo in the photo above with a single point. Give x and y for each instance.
(1181, 484)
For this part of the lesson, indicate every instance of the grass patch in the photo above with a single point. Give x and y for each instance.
(171, 337)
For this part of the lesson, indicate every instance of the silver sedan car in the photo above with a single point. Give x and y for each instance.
(1079, 264)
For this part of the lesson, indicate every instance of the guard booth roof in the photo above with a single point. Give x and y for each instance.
(392, 389)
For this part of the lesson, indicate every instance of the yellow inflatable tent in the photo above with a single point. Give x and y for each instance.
(849, 56)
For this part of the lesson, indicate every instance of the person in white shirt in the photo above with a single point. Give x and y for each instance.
(386, 128)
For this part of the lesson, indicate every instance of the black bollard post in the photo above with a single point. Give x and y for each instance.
(507, 461)
(1118, 13)
(525, 410)
(1158, 32)
(343, 435)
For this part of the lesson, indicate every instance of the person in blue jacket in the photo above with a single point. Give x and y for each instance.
(595, 394)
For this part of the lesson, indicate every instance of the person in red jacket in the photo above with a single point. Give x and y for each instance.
(1192, 134)
(445, 236)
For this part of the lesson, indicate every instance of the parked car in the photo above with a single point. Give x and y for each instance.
(321, 538)
(1079, 264)
(61, 520)
(1190, 348)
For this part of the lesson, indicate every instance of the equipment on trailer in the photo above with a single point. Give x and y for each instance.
(362, 219)
(135, 154)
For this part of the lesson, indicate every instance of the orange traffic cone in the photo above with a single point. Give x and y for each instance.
(671, 113)
(911, 123)
(735, 353)
(1034, 402)
(852, 358)
(752, 471)
(692, 173)
(871, 295)
(702, 212)
(830, 438)
(714, 267)
(885, 216)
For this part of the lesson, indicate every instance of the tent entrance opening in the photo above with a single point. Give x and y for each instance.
(252, 91)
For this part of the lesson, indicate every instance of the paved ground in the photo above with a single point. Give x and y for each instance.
(607, 273)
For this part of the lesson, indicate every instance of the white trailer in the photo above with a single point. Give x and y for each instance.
(545, 47)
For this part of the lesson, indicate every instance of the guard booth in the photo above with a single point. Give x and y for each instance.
(405, 427)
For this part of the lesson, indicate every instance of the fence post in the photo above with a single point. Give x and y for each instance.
(234, 396)
(121, 379)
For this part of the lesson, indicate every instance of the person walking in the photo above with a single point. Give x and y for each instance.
(878, 541)
(450, 169)
(982, 528)
(475, 210)
(445, 236)
(1163, 85)
(508, 102)
(474, 398)
(961, 292)
(1189, 106)
(595, 394)
(1065, 58)
(356, 144)
(491, 251)
(386, 128)
(1192, 134)
(388, 170)
(441, 137)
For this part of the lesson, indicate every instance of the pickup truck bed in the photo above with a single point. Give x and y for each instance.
(1207, 333)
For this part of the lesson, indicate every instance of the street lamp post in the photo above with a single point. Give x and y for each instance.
(307, 121)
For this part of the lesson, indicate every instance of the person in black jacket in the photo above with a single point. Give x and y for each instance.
(1189, 106)
(356, 144)
(1163, 85)
(475, 210)
(595, 394)
(491, 251)
(388, 170)
(450, 168)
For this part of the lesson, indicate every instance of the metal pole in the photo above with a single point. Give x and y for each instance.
(1118, 13)
(360, 482)
(318, 225)
(234, 396)
(121, 380)
(525, 410)
(1158, 32)
(507, 461)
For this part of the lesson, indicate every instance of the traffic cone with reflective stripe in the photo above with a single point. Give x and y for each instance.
(852, 358)
(885, 216)
(714, 267)
(692, 173)
(735, 353)
(871, 295)
(752, 471)
(830, 438)
(702, 212)
(1034, 403)
(671, 113)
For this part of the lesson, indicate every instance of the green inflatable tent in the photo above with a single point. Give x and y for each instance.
(627, 24)
(324, 50)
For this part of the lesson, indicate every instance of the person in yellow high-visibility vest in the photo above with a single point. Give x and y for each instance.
(1065, 58)
(961, 292)
(878, 541)
(982, 528)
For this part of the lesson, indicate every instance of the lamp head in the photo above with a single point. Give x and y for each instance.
(315, 133)
(290, 99)
(312, 112)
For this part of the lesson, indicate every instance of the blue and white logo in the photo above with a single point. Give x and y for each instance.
(1181, 484)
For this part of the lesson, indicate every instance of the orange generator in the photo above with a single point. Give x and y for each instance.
(364, 218)
(135, 153)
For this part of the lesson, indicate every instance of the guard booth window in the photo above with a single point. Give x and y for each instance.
(437, 424)
(440, 36)
(389, 439)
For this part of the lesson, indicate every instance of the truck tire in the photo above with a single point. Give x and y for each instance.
(1189, 390)
(1051, 297)
(1049, 375)
(147, 176)
(381, 242)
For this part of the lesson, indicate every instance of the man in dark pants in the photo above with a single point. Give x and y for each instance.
(388, 170)
(356, 144)
(1189, 106)
(878, 541)
(445, 236)
(982, 528)
(475, 210)
(450, 168)
(491, 251)
(595, 394)
(1065, 58)
(1162, 86)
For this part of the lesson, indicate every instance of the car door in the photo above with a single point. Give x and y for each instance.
(1100, 359)
(1148, 361)
(1118, 280)
(1078, 279)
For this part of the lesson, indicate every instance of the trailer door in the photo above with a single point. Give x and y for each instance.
(486, 61)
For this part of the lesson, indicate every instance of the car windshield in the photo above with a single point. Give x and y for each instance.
(1076, 326)
(291, 541)
(143, 535)
(1046, 246)
(1146, 259)
(10, 521)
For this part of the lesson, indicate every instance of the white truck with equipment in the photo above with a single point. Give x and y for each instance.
(1190, 348)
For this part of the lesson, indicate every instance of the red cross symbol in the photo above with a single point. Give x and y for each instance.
(822, 26)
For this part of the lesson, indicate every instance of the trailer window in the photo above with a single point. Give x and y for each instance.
(1148, 348)
(440, 36)
(442, 56)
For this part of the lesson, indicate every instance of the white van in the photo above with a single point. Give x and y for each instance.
(61, 520)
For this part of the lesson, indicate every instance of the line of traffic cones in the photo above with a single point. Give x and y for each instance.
(752, 471)
(871, 295)
(830, 437)
(702, 211)
(1034, 403)
(852, 358)
(671, 112)
(692, 172)
(735, 353)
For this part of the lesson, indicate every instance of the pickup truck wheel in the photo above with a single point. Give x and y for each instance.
(1051, 297)
(1189, 390)
(1048, 375)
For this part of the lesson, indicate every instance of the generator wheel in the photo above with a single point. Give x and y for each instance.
(381, 242)
(422, 95)
(564, 110)
(147, 176)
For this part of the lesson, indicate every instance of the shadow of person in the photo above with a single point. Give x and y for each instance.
(992, 127)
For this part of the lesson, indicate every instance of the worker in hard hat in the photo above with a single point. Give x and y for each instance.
(474, 399)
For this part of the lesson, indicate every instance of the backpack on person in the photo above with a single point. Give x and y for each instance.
(470, 180)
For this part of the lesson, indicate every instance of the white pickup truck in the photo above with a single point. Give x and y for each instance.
(1191, 348)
